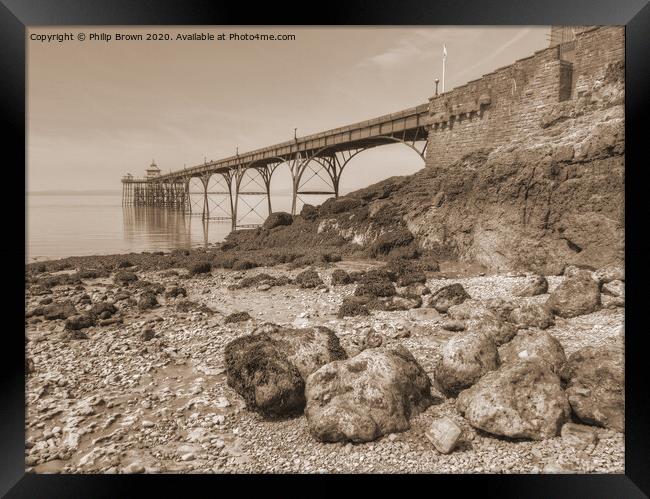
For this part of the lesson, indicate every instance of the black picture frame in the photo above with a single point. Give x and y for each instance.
(16, 15)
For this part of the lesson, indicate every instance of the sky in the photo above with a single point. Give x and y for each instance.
(99, 109)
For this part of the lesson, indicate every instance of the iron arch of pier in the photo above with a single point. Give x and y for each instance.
(233, 179)
(333, 162)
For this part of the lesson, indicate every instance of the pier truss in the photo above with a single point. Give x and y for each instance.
(237, 189)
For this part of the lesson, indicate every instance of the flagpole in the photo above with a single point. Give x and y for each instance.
(444, 60)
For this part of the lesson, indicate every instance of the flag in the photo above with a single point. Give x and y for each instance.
(444, 51)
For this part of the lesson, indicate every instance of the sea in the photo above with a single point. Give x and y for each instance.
(91, 223)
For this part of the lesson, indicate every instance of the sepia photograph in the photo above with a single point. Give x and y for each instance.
(384, 242)
(325, 250)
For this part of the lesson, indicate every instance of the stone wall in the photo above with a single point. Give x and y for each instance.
(508, 103)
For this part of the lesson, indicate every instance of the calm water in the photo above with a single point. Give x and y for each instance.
(77, 225)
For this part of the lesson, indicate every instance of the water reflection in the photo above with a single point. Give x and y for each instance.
(163, 228)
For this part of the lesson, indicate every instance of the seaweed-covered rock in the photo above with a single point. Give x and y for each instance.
(391, 240)
(453, 294)
(309, 212)
(277, 219)
(236, 317)
(201, 268)
(466, 357)
(372, 394)
(520, 400)
(308, 279)
(577, 295)
(353, 306)
(595, 386)
(375, 287)
(534, 345)
(340, 277)
(407, 272)
(268, 368)
(124, 277)
(80, 321)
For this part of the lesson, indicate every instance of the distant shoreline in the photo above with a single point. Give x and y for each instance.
(97, 192)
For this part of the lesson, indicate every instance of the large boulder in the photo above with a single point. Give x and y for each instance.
(268, 368)
(576, 295)
(454, 294)
(520, 400)
(529, 315)
(277, 219)
(596, 386)
(534, 345)
(465, 358)
(500, 331)
(533, 285)
(372, 394)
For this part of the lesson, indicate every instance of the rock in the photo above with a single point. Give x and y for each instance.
(520, 400)
(424, 314)
(609, 274)
(147, 301)
(448, 296)
(236, 317)
(465, 358)
(309, 212)
(124, 277)
(444, 434)
(308, 279)
(377, 287)
(501, 307)
(277, 219)
(189, 456)
(500, 331)
(175, 291)
(133, 468)
(103, 308)
(453, 325)
(263, 287)
(614, 288)
(340, 277)
(268, 368)
(81, 321)
(579, 436)
(148, 334)
(353, 306)
(393, 303)
(534, 285)
(407, 272)
(372, 339)
(61, 310)
(414, 290)
(608, 301)
(577, 295)
(469, 309)
(372, 394)
(595, 386)
(533, 315)
(200, 268)
(534, 345)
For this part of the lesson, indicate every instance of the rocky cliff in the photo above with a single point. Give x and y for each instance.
(550, 199)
